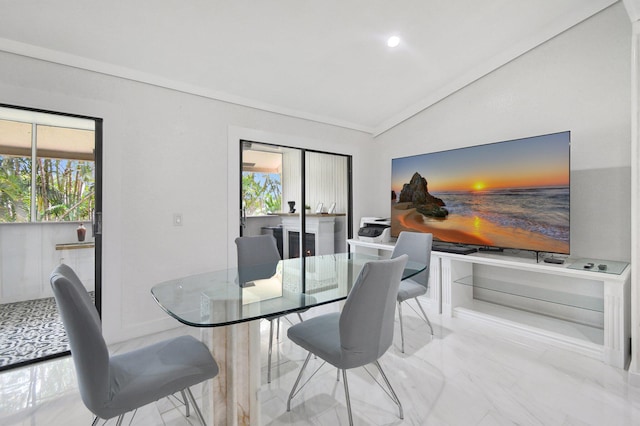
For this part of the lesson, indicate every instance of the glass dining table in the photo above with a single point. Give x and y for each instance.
(229, 301)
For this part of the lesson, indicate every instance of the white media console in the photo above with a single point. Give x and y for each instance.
(584, 310)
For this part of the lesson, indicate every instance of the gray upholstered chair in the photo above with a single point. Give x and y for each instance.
(417, 246)
(111, 386)
(362, 332)
(258, 257)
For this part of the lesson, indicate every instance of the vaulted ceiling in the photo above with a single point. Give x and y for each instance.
(320, 60)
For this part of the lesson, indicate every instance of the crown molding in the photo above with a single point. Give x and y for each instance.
(62, 58)
(633, 9)
(552, 30)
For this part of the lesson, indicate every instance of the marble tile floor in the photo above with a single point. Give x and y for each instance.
(468, 374)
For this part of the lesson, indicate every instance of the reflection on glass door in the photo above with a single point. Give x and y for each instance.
(327, 193)
(262, 204)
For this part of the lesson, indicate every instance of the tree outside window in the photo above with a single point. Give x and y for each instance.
(261, 193)
(47, 173)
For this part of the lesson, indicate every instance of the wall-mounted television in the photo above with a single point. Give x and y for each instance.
(509, 195)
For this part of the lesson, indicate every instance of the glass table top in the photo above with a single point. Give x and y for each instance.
(243, 294)
(599, 266)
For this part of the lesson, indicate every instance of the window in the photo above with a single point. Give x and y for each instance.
(47, 167)
(261, 182)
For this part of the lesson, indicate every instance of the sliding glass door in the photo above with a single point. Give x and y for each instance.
(327, 194)
(302, 197)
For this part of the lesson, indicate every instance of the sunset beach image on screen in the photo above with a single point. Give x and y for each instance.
(512, 194)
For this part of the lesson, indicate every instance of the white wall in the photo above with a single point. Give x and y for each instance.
(633, 7)
(28, 255)
(165, 152)
(579, 81)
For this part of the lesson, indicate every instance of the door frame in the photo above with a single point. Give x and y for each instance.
(303, 181)
(98, 148)
(234, 169)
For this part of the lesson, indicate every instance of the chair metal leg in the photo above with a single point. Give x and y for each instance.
(395, 397)
(346, 395)
(270, 350)
(186, 403)
(195, 407)
(95, 421)
(295, 385)
(425, 315)
(401, 326)
(300, 317)
(120, 419)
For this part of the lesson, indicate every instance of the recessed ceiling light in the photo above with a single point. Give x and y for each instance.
(393, 41)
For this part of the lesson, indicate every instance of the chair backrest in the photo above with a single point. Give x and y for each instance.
(84, 330)
(417, 246)
(367, 319)
(258, 257)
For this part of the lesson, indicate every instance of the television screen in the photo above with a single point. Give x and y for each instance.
(512, 194)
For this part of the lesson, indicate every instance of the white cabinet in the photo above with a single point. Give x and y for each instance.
(320, 226)
(587, 311)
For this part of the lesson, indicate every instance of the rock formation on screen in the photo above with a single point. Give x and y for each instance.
(416, 193)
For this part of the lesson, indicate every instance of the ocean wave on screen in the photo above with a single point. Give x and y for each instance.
(540, 210)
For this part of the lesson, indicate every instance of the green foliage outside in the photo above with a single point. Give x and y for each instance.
(15, 182)
(261, 193)
(65, 189)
